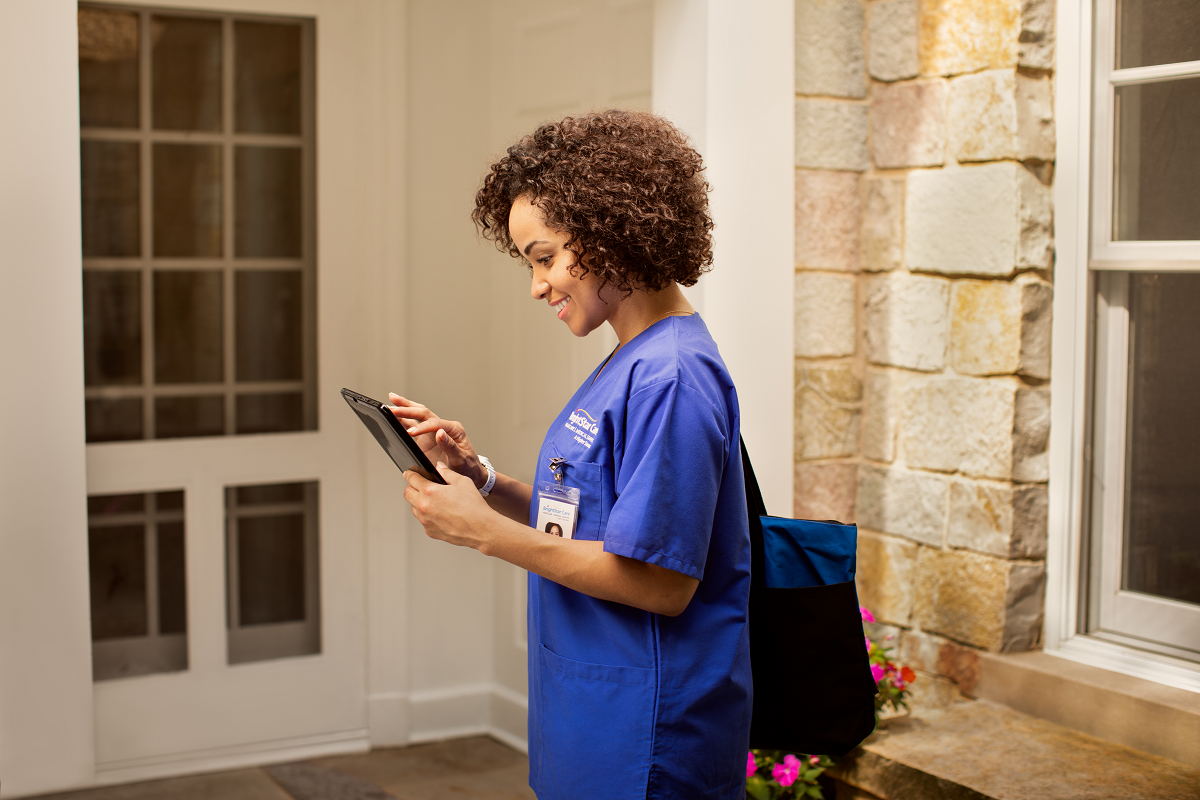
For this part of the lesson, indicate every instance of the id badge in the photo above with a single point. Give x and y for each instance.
(558, 509)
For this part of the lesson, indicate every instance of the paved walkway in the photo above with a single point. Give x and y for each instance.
(462, 769)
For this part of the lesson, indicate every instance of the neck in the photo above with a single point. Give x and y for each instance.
(642, 309)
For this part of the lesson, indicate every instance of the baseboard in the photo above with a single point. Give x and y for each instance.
(234, 757)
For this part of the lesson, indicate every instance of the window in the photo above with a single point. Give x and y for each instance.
(136, 564)
(1143, 555)
(272, 581)
(198, 236)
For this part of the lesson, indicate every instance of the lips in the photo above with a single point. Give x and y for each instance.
(560, 306)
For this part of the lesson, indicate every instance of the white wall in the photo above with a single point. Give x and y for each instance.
(45, 640)
(723, 73)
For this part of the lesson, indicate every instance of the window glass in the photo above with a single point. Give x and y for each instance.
(108, 68)
(112, 327)
(267, 78)
(187, 200)
(111, 192)
(1157, 32)
(1158, 161)
(137, 568)
(267, 202)
(1162, 549)
(186, 74)
(273, 576)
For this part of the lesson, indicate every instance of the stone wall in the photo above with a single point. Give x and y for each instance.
(924, 256)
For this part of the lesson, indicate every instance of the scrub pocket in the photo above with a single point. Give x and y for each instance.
(595, 496)
(597, 728)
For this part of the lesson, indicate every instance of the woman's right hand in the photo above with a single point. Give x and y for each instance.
(440, 439)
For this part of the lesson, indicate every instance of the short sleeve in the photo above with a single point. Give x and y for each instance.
(668, 478)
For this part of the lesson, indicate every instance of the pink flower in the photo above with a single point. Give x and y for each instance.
(868, 640)
(877, 672)
(814, 759)
(787, 772)
(751, 767)
(867, 616)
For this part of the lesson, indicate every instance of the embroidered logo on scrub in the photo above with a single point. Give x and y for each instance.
(583, 426)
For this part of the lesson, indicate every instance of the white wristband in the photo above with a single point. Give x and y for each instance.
(486, 489)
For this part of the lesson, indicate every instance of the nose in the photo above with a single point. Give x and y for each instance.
(538, 288)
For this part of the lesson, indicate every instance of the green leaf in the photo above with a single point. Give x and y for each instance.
(757, 788)
(815, 792)
(811, 775)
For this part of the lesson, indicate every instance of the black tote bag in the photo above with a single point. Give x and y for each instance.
(813, 690)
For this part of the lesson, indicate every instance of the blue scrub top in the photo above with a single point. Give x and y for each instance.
(624, 703)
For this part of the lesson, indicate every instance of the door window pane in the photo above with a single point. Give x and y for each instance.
(1158, 161)
(108, 68)
(112, 328)
(267, 78)
(270, 413)
(1162, 536)
(188, 327)
(186, 74)
(177, 417)
(113, 420)
(269, 325)
(273, 576)
(187, 200)
(117, 558)
(137, 566)
(1157, 32)
(111, 194)
(266, 202)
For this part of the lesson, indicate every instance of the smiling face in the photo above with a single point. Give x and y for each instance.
(580, 302)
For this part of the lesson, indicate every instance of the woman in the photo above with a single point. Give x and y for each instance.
(639, 668)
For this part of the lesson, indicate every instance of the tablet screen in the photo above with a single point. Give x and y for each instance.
(387, 430)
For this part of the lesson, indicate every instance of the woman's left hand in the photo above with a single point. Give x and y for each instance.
(455, 512)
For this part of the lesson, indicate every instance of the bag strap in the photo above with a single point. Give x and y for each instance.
(756, 509)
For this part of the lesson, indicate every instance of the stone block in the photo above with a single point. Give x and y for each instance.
(930, 693)
(1035, 117)
(881, 247)
(1024, 605)
(981, 517)
(1030, 521)
(828, 219)
(881, 413)
(962, 221)
(885, 576)
(961, 595)
(906, 321)
(983, 116)
(829, 48)
(892, 33)
(825, 311)
(1001, 328)
(919, 650)
(960, 36)
(961, 665)
(959, 425)
(825, 490)
(831, 134)
(1035, 219)
(1035, 43)
(985, 327)
(1037, 300)
(910, 504)
(908, 124)
(1031, 435)
(828, 406)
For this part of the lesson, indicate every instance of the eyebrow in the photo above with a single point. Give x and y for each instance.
(529, 246)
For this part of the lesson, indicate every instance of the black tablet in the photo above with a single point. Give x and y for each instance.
(391, 435)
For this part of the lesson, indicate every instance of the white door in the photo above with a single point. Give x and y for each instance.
(226, 526)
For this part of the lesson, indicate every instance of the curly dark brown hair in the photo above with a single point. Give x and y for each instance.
(625, 185)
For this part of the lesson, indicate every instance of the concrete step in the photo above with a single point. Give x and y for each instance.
(980, 750)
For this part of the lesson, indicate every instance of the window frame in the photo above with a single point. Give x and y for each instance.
(1082, 201)
(228, 264)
